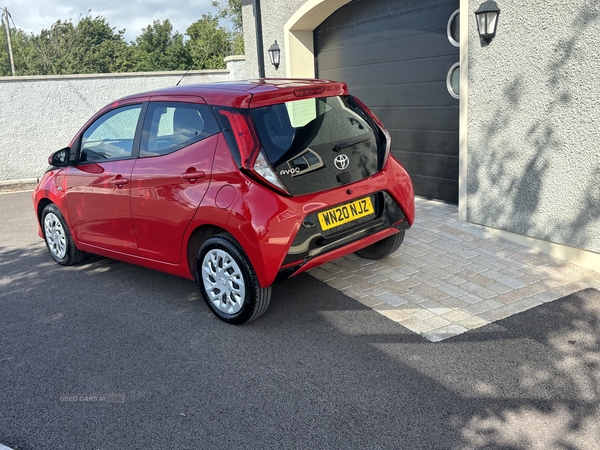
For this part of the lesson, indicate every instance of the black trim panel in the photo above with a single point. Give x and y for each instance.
(311, 241)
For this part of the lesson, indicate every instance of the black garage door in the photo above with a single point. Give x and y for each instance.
(395, 56)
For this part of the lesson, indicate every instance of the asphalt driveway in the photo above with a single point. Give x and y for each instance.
(109, 355)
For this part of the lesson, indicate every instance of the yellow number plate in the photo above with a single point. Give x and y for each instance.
(340, 215)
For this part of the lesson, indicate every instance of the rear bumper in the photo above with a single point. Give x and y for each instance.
(311, 241)
(280, 245)
(338, 253)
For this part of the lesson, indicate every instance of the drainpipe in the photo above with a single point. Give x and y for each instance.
(259, 39)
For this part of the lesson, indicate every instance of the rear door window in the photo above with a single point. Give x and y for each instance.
(170, 126)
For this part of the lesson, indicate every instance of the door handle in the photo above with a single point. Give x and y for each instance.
(192, 175)
(120, 181)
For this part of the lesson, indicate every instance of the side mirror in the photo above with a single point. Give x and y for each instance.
(60, 158)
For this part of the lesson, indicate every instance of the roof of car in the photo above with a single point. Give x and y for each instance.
(249, 93)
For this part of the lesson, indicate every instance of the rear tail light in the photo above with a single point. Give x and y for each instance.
(243, 134)
(266, 172)
(251, 156)
(386, 134)
(388, 145)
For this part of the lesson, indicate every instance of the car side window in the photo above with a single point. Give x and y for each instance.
(170, 126)
(111, 135)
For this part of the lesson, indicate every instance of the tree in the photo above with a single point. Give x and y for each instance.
(100, 48)
(231, 11)
(91, 46)
(55, 49)
(22, 51)
(157, 48)
(209, 43)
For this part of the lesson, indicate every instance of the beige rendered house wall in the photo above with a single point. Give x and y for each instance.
(530, 115)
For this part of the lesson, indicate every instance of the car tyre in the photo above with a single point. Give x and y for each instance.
(58, 238)
(381, 249)
(228, 282)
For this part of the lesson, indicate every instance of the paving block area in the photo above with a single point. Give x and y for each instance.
(450, 276)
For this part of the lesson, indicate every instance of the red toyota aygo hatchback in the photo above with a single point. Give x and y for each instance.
(235, 185)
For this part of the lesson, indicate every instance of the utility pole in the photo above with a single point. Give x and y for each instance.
(5, 16)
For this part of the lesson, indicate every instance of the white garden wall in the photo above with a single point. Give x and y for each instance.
(41, 114)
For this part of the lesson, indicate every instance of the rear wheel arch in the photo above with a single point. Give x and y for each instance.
(243, 227)
(238, 223)
(195, 241)
(204, 232)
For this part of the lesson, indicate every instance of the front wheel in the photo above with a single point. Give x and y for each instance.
(228, 281)
(381, 249)
(58, 238)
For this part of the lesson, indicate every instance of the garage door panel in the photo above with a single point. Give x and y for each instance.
(396, 28)
(444, 190)
(413, 47)
(429, 165)
(373, 10)
(385, 73)
(395, 56)
(413, 94)
(432, 118)
(444, 142)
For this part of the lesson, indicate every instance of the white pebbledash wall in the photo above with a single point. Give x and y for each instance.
(41, 114)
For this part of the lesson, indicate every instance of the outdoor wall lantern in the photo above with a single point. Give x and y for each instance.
(275, 54)
(487, 19)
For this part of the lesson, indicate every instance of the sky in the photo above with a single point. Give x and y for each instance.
(132, 15)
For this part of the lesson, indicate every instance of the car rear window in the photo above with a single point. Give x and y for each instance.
(299, 132)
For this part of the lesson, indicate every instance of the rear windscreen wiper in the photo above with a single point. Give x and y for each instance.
(339, 147)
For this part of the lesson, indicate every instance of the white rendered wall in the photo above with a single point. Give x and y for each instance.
(39, 115)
